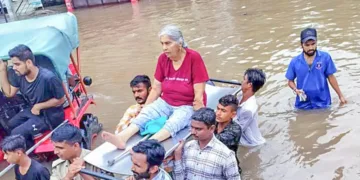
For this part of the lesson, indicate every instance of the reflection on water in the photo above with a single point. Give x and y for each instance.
(120, 41)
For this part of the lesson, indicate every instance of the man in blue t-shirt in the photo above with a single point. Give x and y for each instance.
(41, 88)
(312, 69)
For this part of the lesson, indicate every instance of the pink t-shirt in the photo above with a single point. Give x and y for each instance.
(177, 85)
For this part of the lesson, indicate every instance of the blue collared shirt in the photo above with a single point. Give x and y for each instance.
(312, 80)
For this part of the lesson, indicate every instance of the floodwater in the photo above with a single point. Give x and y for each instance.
(120, 41)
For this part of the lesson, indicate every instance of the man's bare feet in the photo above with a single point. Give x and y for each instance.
(113, 139)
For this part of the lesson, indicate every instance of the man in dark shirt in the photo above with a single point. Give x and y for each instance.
(25, 168)
(41, 88)
(227, 131)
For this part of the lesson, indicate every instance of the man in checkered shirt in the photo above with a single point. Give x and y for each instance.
(205, 157)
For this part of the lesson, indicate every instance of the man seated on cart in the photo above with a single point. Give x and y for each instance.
(141, 87)
(41, 88)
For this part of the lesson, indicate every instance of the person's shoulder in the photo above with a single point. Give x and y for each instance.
(37, 165)
(85, 152)
(190, 143)
(253, 100)
(46, 73)
(250, 105)
(192, 51)
(164, 174)
(219, 146)
(324, 55)
(16, 167)
(57, 163)
(296, 58)
(16, 171)
(133, 107)
(235, 126)
(194, 54)
(250, 108)
(162, 57)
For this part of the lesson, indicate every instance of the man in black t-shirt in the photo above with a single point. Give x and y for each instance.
(41, 88)
(25, 167)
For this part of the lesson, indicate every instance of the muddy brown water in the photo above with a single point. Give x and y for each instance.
(120, 41)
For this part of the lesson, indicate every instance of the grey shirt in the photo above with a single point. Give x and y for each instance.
(247, 116)
(162, 175)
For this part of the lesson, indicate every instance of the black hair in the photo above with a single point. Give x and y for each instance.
(141, 79)
(153, 150)
(205, 115)
(67, 133)
(13, 143)
(229, 100)
(22, 52)
(256, 77)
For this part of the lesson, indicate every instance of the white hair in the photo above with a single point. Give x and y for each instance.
(174, 33)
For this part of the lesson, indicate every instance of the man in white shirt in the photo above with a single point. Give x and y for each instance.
(247, 114)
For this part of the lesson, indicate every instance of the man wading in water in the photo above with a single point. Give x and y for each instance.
(312, 69)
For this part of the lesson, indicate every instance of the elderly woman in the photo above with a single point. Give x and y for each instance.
(178, 89)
